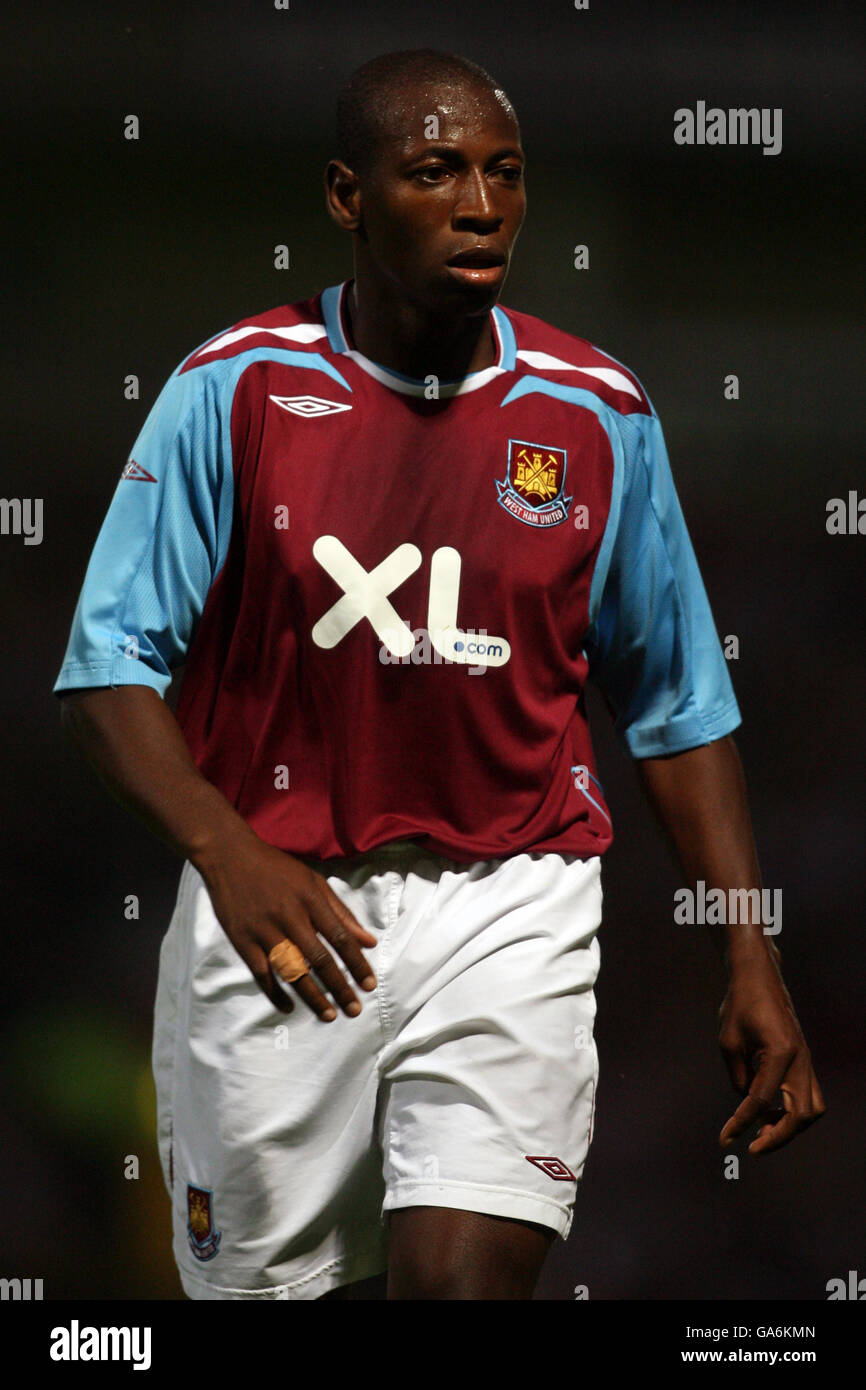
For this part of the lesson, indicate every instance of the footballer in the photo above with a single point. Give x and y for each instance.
(392, 531)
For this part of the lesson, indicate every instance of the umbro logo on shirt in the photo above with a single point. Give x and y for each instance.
(311, 407)
(138, 474)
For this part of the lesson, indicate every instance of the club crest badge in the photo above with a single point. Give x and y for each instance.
(533, 488)
(204, 1241)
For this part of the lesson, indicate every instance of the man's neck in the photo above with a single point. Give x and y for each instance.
(396, 334)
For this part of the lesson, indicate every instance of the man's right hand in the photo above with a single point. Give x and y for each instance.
(262, 896)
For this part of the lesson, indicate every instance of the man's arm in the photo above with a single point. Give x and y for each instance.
(260, 894)
(700, 799)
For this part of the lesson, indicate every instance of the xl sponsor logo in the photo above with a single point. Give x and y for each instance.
(367, 595)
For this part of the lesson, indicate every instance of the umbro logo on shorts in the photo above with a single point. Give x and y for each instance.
(311, 407)
(553, 1167)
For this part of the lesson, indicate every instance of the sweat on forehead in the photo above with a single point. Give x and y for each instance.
(408, 108)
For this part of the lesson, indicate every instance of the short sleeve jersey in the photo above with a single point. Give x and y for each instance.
(388, 594)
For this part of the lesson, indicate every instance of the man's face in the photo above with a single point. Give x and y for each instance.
(440, 215)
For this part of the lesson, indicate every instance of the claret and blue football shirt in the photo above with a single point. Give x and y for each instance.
(389, 594)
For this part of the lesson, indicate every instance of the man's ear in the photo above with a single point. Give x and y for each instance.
(343, 196)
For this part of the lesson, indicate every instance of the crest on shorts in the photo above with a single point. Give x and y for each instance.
(204, 1241)
(533, 488)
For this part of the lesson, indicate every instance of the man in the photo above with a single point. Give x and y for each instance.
(392, 529)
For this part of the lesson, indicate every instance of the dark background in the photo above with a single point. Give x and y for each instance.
(123, 256)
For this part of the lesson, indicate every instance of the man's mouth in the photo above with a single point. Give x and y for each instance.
(476, 258)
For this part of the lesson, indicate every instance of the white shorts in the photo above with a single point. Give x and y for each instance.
(468, 1080)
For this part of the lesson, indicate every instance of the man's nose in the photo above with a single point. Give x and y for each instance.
(475, 199)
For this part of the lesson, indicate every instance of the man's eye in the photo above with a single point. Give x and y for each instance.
(435, 173)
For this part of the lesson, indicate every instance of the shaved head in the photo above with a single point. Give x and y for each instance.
(371, 106)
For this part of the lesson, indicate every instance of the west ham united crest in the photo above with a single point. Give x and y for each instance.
(533, 488)
(204, 1241)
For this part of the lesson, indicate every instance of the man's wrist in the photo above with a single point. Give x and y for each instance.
(747, 946)
(213, 843)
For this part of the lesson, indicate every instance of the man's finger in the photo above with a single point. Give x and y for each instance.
(341, 911)
(263, 976)
(309, 950)
(338, 926)
(328, 971)
(738, 1071)
(793, 1119)
(314, 999)
(773, 1136)
(289, 963)
(771, 1072)
(292, 968)
(818, 1104)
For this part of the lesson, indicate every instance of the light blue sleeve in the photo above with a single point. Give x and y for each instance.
(652, 645)
(162, 543)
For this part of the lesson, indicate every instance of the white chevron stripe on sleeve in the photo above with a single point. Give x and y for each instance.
(609, 375)
(300, 333)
